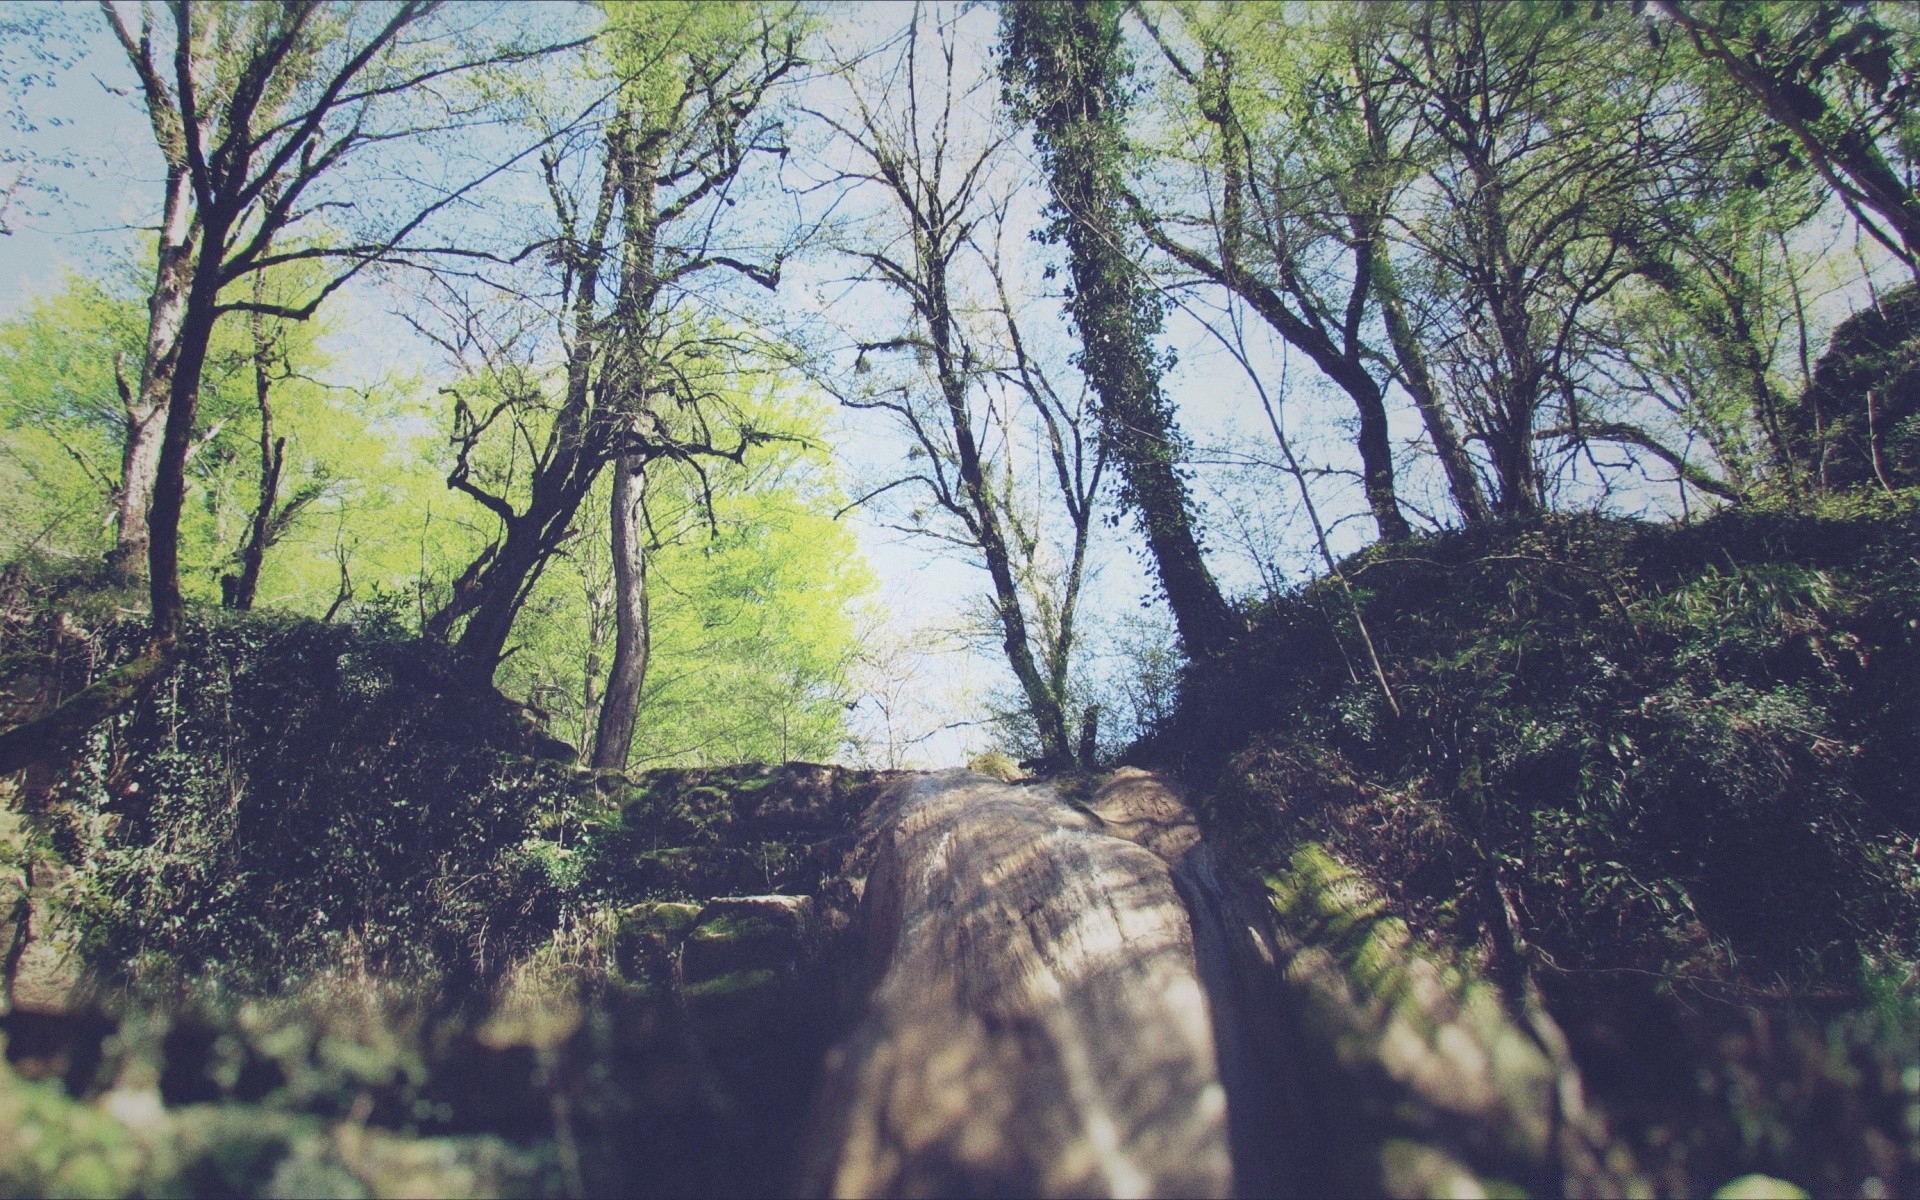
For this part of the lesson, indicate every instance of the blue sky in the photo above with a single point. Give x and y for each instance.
(82, 108)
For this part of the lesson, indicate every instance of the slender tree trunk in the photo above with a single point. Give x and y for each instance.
(1042, 701)
(201, 311)
(633, 632)
(1341, 364)
(491, 592)
(500, 589)
(146, 406)
(1414, 376)
(1376, 451)
(237, 590)
(1068, 54)
(635, 161)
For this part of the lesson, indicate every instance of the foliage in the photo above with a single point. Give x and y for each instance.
(1681, 750)
(359, 450)
(1859, 420)
(650, 1039)
(60, 415)
(752, 586)
(295, 793)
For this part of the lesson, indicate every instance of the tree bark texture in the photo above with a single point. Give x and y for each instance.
(1039, 1026)
(146, 405)
(1070, 52)
(633, 634)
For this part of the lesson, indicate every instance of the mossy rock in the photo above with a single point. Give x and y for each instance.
(732, 984)
(996, 765)
(735, 933)
(645, 934)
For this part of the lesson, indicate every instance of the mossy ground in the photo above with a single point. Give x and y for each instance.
(1663, 775)
(334, 926)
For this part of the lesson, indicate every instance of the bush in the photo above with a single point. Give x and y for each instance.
(1686, 750)
(293, 793)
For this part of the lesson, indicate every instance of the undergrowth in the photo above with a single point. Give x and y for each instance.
(1667, 774)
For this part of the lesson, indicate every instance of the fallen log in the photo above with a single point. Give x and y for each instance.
(1037, 1024)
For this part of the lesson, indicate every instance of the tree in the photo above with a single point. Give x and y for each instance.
(1532, 182)
(272, 517)
(751, 589)
(1293, 221)
(1066, 68)
(1840, 80)
(633, 379)
(61, 418)
(1703, 326)
(361, 476)
(145, 404)
(754, 585)
(944, 207)
(261, 107)
(734, 56)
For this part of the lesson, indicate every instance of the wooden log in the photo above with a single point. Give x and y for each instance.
(1038, 1024)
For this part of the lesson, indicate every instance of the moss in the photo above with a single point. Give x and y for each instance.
(1759, 1187)
(128, 1144)
(739, 929)
(51, 1145)
(733, 983)
(1421, 1064)
(659, 916)
(996, 765)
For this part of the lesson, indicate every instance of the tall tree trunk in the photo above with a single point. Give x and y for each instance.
(237, 590)
(497, 592)
(491, 592)
(200, 312)
(1516, 471)
(1414, 376)
(1341, 363)
(1043, 702)
(1376, 460)
(146, 406)
(1068, 58)
(633, 633)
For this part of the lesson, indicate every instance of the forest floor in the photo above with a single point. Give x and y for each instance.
(1608, 890)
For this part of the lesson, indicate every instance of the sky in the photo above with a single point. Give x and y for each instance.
(84, 110)
(73, 100)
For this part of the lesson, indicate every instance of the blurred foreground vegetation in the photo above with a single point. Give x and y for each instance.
(1660, 777)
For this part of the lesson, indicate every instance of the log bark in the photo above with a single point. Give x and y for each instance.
(1038, 1025)
(1093, 1000)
